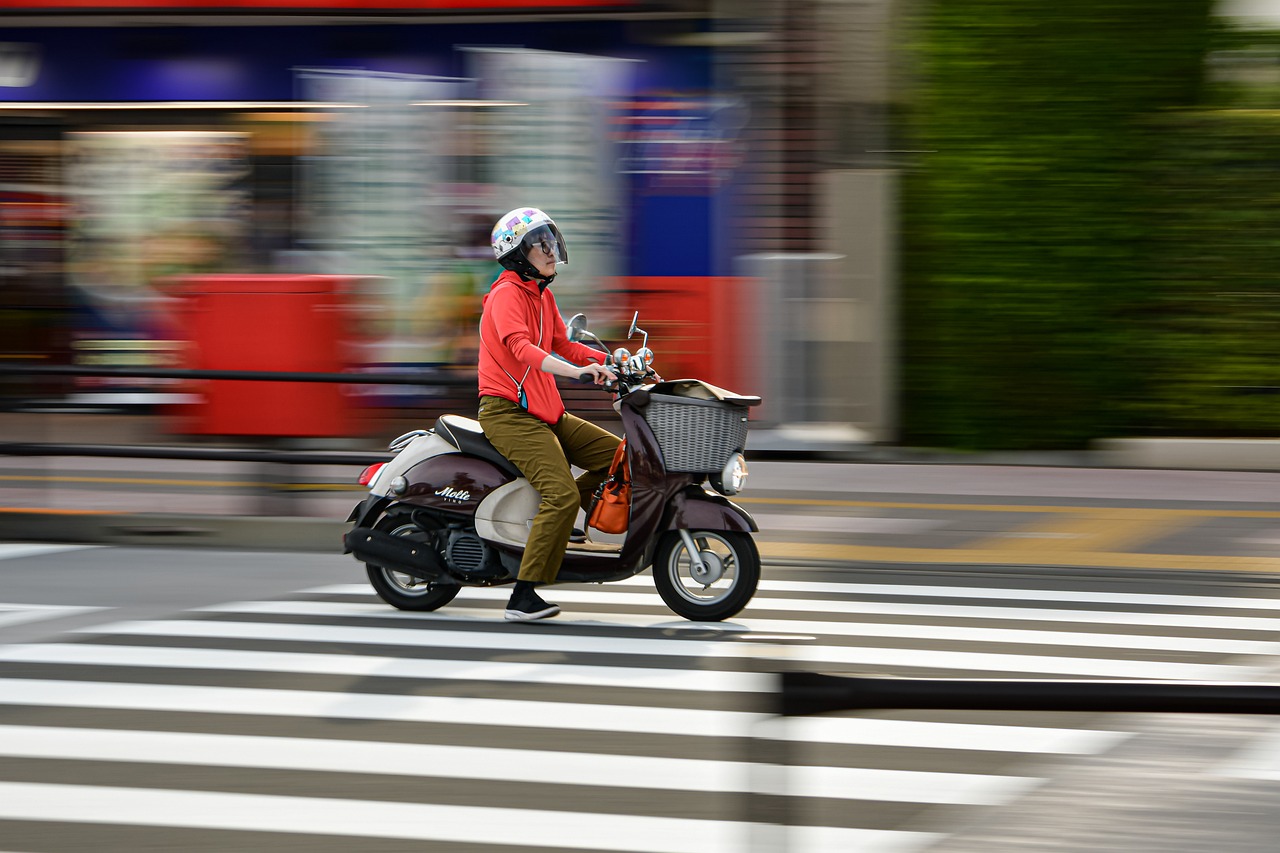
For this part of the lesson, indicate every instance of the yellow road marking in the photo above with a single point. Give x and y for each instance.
(1085, 530)
(1217, 513)
(995, 557)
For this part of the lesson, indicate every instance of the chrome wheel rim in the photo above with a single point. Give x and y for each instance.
(719, 576)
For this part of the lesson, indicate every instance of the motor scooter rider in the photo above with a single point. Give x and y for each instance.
(521, 411)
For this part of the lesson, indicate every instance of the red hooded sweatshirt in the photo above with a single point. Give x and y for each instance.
(519, 328)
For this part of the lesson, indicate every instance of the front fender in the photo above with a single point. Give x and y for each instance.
(695, 508)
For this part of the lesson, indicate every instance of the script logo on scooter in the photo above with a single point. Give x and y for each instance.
(451, 494)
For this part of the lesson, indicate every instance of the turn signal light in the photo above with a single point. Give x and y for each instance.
(367, 475)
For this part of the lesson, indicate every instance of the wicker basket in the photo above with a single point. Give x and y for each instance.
(696, 436)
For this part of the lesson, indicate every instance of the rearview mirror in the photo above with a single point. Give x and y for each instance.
(576, 326)
(635, 318)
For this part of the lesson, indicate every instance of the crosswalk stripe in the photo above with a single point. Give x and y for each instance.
(17, 550)
(917, 734)
(360, 706)
(1140, 599)
(938, 591)
(18, 614)
(887, 608)
(345, 609)
(874, 732)
(551, 715)
(461, 824)
(529, 641)
(509, 765)
(390, 667)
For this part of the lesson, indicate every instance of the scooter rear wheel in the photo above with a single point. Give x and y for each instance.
(731, 574)
(405, 592)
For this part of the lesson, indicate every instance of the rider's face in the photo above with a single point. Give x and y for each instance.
(543, 261)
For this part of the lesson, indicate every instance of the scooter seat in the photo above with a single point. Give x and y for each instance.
(466, 435)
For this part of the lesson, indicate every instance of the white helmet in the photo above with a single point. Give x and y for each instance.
(521, 228)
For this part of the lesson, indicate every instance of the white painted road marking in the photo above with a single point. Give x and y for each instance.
(460, 824)
(15, 551)
(845, 655)
(505, 765)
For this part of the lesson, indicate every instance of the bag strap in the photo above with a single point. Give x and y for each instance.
(619, 469)
(519, 385)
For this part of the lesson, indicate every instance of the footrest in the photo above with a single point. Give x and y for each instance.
(598, 547)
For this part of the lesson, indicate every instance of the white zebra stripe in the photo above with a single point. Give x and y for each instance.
(389, 667)
(1139, 599)
(519, 637)
(461, 824)
(551, 715)
(18, 614)
(1206, 645)
(889, 608)
(16, 550)
(507, 765)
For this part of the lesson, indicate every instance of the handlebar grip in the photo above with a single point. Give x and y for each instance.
(586, 377)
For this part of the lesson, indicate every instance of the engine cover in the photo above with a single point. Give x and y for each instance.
(469, 555)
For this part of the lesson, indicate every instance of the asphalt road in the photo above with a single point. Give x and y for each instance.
(207, 699)
(978, 515)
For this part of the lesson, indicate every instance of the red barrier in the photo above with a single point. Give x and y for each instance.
(700, 326)
(266, 322)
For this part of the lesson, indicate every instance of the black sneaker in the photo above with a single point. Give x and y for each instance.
(527, 606)
(578, 535)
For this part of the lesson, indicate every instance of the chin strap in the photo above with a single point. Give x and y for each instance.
(527, 271)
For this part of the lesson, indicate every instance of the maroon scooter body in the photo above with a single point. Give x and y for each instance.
(452, 483)
(661, 500)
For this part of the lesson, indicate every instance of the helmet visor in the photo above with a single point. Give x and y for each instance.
(545, 241)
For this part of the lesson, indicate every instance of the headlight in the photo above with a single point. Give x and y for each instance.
(733, 478)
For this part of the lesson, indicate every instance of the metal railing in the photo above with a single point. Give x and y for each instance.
(464, 383)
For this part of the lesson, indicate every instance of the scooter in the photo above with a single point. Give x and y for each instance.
(449, 511)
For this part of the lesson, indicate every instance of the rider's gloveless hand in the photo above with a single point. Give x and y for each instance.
(599, 373)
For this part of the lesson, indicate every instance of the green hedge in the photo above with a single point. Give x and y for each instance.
(1210, 319)
(1031, 230)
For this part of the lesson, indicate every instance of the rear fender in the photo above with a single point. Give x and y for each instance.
(367, 511)
(695, 508)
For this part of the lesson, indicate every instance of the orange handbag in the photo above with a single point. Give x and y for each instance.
(612, 501)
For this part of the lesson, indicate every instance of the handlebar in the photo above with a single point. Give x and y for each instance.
(613, 384)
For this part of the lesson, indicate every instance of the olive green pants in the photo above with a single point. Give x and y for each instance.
(543, 453)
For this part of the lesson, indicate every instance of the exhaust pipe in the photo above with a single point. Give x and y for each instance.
(395, 553)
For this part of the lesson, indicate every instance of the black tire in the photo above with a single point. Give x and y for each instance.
(402, 591)
(728, 592)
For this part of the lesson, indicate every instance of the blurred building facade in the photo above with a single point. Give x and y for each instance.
(722, 167)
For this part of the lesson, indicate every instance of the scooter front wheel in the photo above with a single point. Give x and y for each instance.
(400, 590)
(727, 579)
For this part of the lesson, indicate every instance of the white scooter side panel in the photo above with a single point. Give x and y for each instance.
(506, 514)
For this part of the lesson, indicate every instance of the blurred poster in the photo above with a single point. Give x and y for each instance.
(680, 143)
(377, 202)
(147, 206)
(551, 148)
